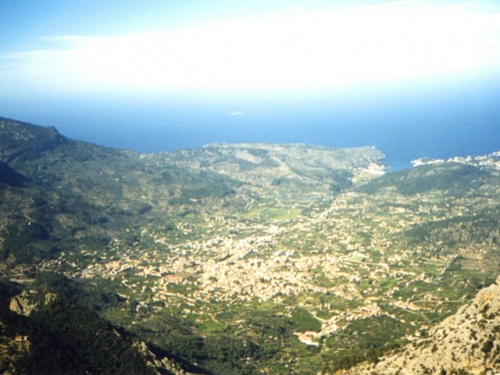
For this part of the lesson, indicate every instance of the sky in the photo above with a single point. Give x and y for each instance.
(156, 75)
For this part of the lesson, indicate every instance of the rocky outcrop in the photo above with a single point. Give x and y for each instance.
(28, 300)
(163, 364)
(465, 343)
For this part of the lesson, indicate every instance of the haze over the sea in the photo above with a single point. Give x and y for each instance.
(413, 78)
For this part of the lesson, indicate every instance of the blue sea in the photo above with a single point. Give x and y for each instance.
(442, 124)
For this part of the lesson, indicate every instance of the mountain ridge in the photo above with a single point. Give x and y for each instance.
(20, 138)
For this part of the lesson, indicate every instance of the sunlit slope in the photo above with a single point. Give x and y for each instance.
(298, 166)
(465, 343)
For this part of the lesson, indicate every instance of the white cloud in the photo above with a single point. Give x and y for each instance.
(336, 48)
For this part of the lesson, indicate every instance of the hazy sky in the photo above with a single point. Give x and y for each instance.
(126, 46)
(146, 52)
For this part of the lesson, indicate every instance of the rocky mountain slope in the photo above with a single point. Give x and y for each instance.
(467, 342)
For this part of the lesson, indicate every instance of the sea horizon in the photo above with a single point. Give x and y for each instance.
(401, 135)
